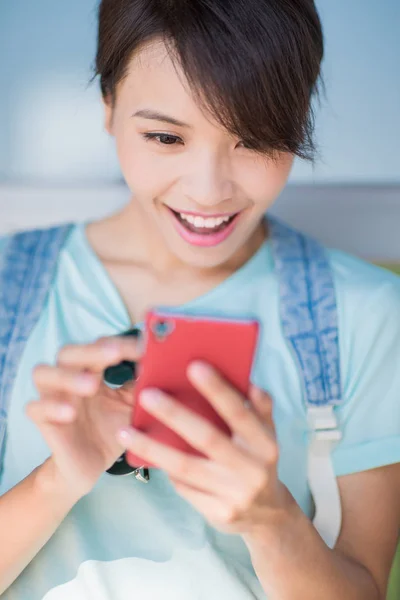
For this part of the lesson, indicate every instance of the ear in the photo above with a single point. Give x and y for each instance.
(108, 113)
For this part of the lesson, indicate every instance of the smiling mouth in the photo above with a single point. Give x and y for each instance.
(204, 225)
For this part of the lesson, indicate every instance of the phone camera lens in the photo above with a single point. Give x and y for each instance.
(162, 329)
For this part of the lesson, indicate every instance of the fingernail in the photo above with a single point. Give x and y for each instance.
(150, 398)
(199, 370)
(126, 435)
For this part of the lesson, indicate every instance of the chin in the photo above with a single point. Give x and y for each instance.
(202, 258)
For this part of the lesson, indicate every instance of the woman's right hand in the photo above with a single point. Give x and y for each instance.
(79, 415)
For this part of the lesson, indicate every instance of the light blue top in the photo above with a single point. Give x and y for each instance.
(127, 540)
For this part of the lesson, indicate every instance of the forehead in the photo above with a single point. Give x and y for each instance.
(155, 81)
(152, 75)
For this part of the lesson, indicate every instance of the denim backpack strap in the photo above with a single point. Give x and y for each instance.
(27, 268)
(310, 326)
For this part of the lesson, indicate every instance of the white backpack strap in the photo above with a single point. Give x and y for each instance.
(310, 325)
(321, 477)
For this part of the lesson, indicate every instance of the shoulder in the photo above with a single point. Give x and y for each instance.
(354, 272)
(368, 304)
(368, 301)
(3, 242)
(363, 287)
(48, 238)
(28, 258)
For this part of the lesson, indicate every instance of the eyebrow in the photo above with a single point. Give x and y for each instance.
(157, 116)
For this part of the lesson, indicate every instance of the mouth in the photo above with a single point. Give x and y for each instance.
(204, 225)
(204, 230)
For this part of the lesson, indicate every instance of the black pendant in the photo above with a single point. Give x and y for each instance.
(118, 375)
(124, 371)
(121, 467)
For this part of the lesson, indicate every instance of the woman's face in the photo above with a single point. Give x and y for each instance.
(200, 189)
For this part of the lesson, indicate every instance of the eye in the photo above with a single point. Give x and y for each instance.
(246, 145)
(166, 139)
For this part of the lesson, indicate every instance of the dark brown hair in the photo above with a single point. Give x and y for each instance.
(253, 64)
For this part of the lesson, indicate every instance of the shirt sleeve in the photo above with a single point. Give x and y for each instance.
(369, 322)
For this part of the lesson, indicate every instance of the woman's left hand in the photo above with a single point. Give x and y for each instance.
(236, 486)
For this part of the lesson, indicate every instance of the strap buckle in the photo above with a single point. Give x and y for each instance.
(323, 424)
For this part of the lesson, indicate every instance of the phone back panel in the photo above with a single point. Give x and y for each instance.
(172, 343)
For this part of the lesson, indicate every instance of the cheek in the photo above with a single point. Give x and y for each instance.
(145, 173)
(264, 182)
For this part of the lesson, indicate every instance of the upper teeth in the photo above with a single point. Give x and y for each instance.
(210, 222)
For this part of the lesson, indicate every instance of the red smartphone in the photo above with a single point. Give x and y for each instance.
(172, 342)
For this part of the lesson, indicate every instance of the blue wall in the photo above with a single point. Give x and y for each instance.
(51, 121)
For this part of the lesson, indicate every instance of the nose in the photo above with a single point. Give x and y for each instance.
(209, 182)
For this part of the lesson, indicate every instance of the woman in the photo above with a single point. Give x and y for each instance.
(209, 103)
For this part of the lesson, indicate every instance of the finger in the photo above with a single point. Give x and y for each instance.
(49, 411)
(197, 431)
(101, 354)
(197, 472)
(262, 404)
(60, 379)
(233, 408)
(213, 508)
(126, 393)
